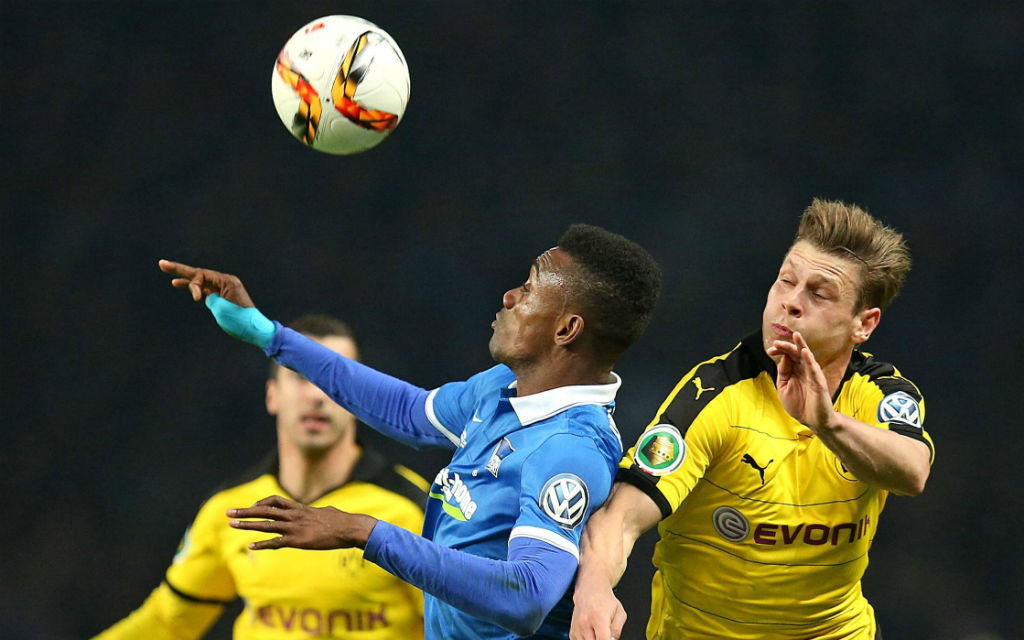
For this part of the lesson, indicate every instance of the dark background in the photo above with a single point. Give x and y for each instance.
(134, 131)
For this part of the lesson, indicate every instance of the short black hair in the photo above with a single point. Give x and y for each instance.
(317, 325)
(619, 283)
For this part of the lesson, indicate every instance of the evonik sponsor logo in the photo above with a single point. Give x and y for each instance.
(811, 533)
(457, 501)
(318, 622)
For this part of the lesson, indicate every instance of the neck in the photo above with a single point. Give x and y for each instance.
(307, 476)
(537, 377)
(835, 371)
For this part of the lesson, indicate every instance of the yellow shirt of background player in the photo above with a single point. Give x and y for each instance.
(288, 593)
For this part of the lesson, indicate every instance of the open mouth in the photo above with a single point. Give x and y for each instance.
(314, 422)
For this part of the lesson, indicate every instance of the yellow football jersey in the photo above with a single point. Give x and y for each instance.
(288, 593)
(765, 532)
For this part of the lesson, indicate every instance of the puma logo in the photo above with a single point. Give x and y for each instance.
(700, 387)
(748, 459)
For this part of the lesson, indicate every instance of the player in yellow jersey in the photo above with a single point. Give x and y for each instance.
(766, 468)
(294, 593)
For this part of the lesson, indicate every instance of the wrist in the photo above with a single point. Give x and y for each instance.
(362, 527)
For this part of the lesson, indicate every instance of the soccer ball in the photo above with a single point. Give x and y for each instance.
(340, 84)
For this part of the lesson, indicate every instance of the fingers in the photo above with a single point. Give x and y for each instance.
(197, 281)
(784, 347)
(266, 526)
(618, 620)
(273, 543)
(801, 345)
(271, 508)
(176, 268)
(805, 352)
(276, 501)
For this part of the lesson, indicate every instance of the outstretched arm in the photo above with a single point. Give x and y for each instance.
(516, 594)
(878, 457)
(608, 540)
(389, 405)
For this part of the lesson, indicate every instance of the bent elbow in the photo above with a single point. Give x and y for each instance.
(917, 488)
(914, 484)
(527, 622)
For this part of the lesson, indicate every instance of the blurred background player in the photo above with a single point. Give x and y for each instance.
(292, 593)
(768, 466)
(535, 446)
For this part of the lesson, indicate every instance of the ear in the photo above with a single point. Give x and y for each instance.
(865, 323)
(271, 398)
(569, 330)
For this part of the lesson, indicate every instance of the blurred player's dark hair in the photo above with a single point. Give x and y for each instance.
(317, 325)
(619, 284)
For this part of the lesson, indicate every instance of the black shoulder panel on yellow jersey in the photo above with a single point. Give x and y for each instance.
(746, 361)
(884, 376)
(374, 467)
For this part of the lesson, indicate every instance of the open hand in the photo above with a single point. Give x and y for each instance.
(803, 389)
(300, 526)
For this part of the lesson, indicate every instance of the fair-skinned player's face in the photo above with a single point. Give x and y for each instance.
(525, 326)
(306, 417)
(816, 294)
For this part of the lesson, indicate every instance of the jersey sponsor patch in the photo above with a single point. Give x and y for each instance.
(565, 498)
(456, 498)
(900, 407)
(661, 450)
(730, 524)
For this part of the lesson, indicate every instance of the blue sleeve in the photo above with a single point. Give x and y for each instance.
(515, 594)
(391, 406)
(563, 482)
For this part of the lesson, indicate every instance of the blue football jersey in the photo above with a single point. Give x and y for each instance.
(534, 467)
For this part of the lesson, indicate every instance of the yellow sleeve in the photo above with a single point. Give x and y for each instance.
(199, 570)
(197, 587)
(165, 616)
(411, 519)
(667, 462)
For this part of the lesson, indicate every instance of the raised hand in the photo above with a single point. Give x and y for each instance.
(803, 389)
(300, 526)
(202, 282)
(226, 298)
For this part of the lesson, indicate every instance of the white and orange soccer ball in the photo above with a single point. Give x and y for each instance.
(340, 84)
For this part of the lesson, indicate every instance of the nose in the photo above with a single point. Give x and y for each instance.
(313, 392)
(792, 305)
(510, 298)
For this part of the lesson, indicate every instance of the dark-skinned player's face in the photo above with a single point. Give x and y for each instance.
(524, 328)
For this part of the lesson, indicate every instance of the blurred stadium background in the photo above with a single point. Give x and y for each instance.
(135, 131)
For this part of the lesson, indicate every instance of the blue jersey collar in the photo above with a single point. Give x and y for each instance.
(543, 405)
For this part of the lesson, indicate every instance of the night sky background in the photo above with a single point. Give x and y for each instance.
(135, 131)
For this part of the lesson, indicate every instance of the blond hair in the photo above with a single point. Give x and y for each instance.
(848, 231)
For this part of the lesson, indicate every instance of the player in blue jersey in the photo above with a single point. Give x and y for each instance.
(535, 446)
